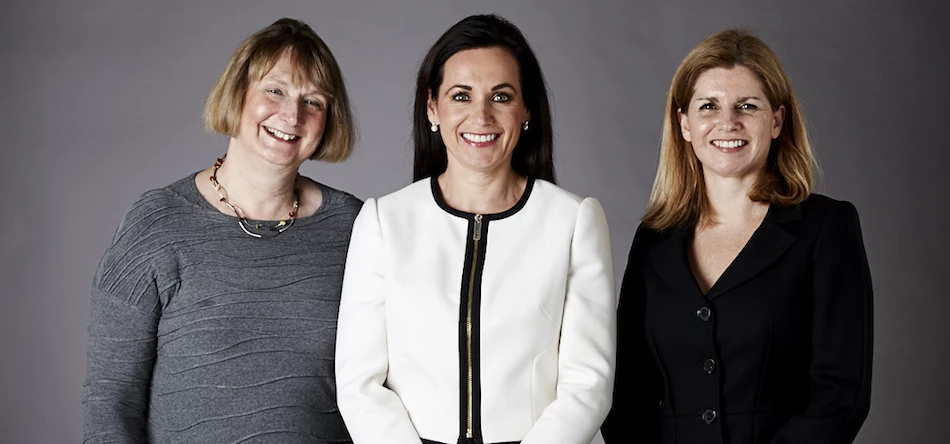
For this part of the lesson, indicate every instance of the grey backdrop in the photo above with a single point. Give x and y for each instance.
(101, 101)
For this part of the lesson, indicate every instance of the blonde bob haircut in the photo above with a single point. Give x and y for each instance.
(679, 198)
(314, 64)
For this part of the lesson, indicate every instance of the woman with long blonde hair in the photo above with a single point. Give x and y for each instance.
(746, 312)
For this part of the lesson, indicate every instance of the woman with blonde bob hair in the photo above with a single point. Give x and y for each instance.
(213, 311)
(746, 306)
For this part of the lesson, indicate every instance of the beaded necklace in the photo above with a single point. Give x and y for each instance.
(278, 228)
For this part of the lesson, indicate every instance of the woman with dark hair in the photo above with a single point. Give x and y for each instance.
(213, 310)
(745, 310)
(478, 303)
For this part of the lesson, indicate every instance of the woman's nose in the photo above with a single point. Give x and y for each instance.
(289, 111)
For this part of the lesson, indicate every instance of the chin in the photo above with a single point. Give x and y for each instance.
(485, 164)
(736, 172)
(283, 158)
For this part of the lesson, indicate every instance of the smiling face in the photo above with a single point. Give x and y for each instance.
(281, 122)
(730, 123)
(479, 109)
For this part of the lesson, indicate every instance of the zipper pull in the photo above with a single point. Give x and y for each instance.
(478, 228)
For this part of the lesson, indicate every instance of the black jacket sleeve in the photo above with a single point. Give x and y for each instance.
(841, 343)
(637, 387)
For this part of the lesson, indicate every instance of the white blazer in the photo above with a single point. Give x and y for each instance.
(498, 327)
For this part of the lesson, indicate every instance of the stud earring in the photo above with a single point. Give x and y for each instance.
(434, 127)
(525, 126)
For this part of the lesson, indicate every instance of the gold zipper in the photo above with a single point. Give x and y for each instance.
(476, 236)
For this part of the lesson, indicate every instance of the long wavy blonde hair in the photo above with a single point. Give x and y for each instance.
(679, 196)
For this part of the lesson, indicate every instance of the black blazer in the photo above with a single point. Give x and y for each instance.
(778, 350)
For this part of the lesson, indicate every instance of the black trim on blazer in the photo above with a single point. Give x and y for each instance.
(476, 307)
(437, 195)
(463, 352)
(429, 441)
(476, 334)
(476, 350)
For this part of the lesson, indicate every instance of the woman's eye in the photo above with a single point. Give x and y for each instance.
(460, 97)
(314, 103)
(748, 107)
(275, 91)
(500, 97)
(706, 106)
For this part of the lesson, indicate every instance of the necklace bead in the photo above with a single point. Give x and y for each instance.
(278, 228)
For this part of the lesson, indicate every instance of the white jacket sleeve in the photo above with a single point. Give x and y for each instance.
(372, 413)
(588, 337)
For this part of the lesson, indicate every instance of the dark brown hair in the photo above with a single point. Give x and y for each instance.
(534, 154)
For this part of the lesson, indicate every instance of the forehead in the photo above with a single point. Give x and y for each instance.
(473, 67)
(288, 68)
(737, 81)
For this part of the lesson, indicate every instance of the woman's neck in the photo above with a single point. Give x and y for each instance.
(261, 193)
(479, 193)
(729, 202)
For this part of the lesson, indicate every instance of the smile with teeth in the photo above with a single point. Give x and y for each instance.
(730, 143)
(479, 138)
(281, 134)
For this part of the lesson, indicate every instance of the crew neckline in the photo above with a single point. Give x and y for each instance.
(440, 200)
(189, 191)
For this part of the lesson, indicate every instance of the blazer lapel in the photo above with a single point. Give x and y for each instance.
(766, 246)
(670, 262)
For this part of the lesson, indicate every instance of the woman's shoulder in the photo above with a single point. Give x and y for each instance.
(553, 197)
(646, 236)
(418, 192)
(149, 225)
(167, 204)
(555, 193)
(818, 208)
(337, 200)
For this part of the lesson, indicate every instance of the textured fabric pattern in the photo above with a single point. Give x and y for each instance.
(199, 333)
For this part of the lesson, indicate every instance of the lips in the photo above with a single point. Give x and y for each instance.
(730, 144)
(281, 135)
(479, 138)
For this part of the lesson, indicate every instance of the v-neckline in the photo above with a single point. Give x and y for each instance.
(689, 257)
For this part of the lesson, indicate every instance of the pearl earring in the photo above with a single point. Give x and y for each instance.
(434, 127)
(525, 126)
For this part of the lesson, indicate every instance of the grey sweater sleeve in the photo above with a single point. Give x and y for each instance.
(124, 314)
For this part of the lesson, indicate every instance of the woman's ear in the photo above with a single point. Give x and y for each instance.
(431, 110)
(684, 125)
(778, 119)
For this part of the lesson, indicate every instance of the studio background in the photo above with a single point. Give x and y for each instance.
(101, 101)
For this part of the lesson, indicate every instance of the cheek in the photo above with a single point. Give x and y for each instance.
(255, 111)
(318, 120)
(695, 129)
(450, 116)
(697, 151)
(704, 125)
(248, 121)
(519, 114)
(513, 141)
(767, 131)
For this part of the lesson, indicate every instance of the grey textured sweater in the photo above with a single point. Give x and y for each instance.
(200, 333)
